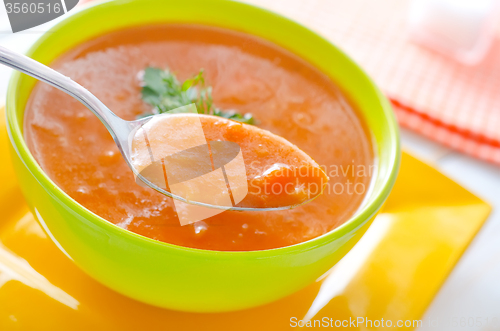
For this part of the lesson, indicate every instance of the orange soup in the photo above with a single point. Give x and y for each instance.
(286, 95)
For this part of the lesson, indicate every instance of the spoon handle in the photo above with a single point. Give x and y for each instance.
(41, 72)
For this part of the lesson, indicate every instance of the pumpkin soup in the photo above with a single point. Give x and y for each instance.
(284, 94)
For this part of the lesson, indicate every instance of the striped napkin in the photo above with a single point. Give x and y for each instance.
(456, 105)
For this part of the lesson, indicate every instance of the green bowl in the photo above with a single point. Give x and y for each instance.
(177, 277)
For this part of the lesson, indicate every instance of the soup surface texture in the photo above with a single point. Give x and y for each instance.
(286, 95)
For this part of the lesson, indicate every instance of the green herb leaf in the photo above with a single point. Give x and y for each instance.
(153, 79)
(150, 96)
(164, 92)
(246, 118)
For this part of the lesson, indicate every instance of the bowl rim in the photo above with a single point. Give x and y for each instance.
(358, 219)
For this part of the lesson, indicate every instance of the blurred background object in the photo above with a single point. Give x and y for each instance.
(434, 95)
(464, 30)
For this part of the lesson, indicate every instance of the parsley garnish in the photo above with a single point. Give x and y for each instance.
(164, 92)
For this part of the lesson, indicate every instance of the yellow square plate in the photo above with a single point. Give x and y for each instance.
(392, 273)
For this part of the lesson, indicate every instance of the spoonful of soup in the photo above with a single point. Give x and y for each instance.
(207, 163)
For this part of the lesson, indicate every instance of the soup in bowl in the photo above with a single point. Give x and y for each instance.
(258, 66)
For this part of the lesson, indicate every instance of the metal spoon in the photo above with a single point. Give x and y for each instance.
(121, 130)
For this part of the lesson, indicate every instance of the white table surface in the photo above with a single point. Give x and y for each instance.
(473, 288)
